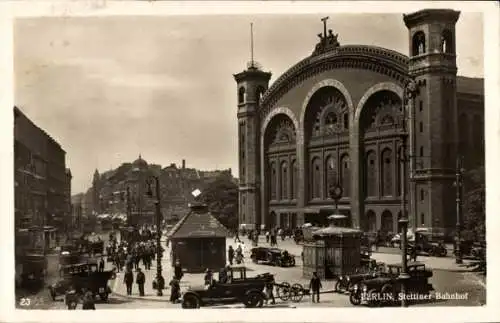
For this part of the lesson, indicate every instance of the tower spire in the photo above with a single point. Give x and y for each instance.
(251, 46)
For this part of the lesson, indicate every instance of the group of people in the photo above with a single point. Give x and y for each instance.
(236, 255)
(124, 254)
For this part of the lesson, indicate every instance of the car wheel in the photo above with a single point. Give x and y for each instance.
(73, 305)
(254, 259)
(254, 299)
(387, 290)
(338, 286)
(104, 296)
(444, 252)
(355, 299)
(190, 301)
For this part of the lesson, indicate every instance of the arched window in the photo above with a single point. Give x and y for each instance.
(386, 172)
(370, 174)
(345, 176)
(284, 181)
(346, 121)
(273, 181)
(447, 45)
(293, 183)
(241, 95)
(418, 44)
(316, 178)
(331, 168)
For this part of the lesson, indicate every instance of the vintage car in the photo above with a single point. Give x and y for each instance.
(386, 289)
(83, 276)
(424, 245)
(238, 289)
(272, 256)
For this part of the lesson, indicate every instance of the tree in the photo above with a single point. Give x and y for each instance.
(221, 196)
(474, 203)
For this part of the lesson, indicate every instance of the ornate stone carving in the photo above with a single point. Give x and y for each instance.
(383, 114)
(329, 115)
(284, 132)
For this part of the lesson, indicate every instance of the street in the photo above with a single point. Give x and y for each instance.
(444, 281)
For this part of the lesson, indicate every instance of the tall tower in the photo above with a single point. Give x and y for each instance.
(433, 119)
(96, 199)
(251, 85)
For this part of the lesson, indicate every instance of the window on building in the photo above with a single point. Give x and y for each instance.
(370, 174)
(241, 95)
(421, 106)
(447, 42)
(422, 195)
(345, 176)
(273, 179)
(421, 126)
(422, 219)
(316, 178)
(418, 43)
(386, 172)
(293, 180)
(421, 151)
(284, 181)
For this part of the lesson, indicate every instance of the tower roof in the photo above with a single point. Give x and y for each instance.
(140, 162)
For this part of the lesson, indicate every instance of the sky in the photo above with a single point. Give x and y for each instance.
(111, 88)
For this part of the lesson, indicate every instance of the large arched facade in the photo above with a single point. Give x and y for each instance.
(335, 118)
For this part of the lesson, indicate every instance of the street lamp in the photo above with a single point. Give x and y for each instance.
(459, 185)
(409, 95)
(160, 281)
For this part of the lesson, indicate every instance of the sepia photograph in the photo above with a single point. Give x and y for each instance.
(282, 161)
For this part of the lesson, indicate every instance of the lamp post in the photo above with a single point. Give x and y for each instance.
(409, 94)
(160, 281)
(458, 185)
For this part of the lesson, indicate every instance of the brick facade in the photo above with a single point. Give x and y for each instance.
(335, 117)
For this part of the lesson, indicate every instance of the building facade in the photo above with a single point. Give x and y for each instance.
(42, 185)
(334, 120)
(176, 184)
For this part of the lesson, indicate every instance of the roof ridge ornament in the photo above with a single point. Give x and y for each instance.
(328, 42)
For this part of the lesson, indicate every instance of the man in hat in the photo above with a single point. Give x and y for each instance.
(140, 280)
(315, 286)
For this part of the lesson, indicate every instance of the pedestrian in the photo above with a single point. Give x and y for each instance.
(223, 275)
(267, 236)
(71, 298)
(101, 264)
(140, 279)
(175, 290)
(178, 270)
(230, 255)
(208, 277)
(236, 237)
(315, 286)
(128, 279)
(88, 302)
(269, 293)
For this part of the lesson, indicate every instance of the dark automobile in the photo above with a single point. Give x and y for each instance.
(346, 282)
(83, 276)
(386, 289)
(425, 246)
(238, 289)
(273, 256)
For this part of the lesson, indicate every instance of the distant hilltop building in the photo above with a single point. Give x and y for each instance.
(107, 194)
(334, 120)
